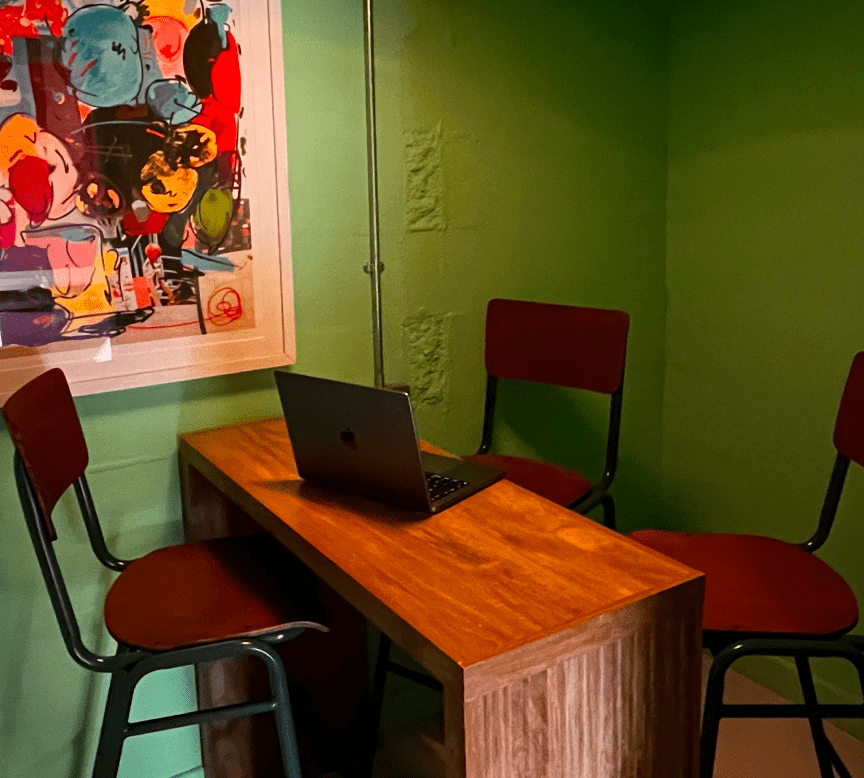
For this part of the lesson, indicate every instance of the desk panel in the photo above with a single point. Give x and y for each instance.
(554, 637)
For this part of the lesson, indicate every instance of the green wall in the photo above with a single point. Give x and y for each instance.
(522, 153)
(764, 272)
(546, 127)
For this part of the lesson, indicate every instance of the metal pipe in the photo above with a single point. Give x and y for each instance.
(374, 268)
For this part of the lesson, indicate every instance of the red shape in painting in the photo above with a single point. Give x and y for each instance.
(224, 306)
(29, 184)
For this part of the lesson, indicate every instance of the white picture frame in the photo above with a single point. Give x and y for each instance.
(245, 328)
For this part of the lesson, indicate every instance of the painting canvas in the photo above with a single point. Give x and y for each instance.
(143, 191)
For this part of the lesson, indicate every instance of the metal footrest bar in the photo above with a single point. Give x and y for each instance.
(206, 716)
(791, 711)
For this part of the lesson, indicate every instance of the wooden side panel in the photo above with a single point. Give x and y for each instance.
(327, 673)
(454, 730)
(207, 514)
(624, 708)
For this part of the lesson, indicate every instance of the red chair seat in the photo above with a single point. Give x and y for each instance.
(553, 482)
(756, 584)
(206, 591)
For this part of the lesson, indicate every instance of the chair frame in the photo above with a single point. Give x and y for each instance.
(726, 648)
(599, 494)
(129, 665)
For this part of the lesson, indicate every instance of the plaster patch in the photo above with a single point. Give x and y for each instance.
(426, 347)
(424, 181)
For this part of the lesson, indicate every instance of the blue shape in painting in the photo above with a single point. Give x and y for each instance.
(219, 14)
(207, 262)
(101, 52)
(172, 101)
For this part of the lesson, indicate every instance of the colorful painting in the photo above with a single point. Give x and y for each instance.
(124, 213)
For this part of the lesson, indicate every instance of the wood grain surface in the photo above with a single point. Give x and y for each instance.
(497, 571)
(564, 648)
(618, 703)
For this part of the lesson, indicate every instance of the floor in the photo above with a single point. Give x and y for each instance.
(770, 748)
(774, 748)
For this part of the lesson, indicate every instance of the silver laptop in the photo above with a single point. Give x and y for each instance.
(362, 440)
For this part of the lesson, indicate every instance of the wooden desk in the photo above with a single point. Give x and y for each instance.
(564, 649)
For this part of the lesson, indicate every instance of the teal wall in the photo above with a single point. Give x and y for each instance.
(522, 153)
(764, 271)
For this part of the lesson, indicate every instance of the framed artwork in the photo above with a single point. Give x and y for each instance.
(144, 229)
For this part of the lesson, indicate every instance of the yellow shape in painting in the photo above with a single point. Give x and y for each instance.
(167, 189)
(17, 138)
(91, 301)
(87, 305)
(194, 143)
(175, 10)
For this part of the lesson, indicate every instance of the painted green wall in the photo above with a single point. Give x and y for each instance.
(764, 270)
(522, 153)
(550, 186)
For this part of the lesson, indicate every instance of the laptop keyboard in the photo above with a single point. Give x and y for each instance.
(441, 485)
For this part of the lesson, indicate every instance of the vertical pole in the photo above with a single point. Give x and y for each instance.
(374, 268)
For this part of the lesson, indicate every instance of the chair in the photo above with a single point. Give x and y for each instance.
(767, 597)
(564, 345)
(176, 606)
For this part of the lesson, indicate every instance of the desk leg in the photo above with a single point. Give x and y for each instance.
(617, 697)
(454, 730)
(207, 514)
(328, 673)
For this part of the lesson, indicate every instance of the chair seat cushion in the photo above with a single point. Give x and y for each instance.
(553, 482)
(207, 591)
(755, 584)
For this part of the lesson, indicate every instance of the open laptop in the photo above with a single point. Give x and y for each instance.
(362, 440)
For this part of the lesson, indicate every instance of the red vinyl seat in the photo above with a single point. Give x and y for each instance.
(558, 484)
(764, 596)
(761, 585)
(203, 592)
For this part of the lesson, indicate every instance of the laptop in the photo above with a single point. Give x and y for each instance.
(362, 440)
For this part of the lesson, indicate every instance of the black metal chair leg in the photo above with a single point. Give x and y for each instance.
(817, 728)
(711, 716)
(114, 724)
(284, 718)
(837, 762)
(376, 703)
(608, 511)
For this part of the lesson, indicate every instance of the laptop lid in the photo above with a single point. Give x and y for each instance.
(362, 440)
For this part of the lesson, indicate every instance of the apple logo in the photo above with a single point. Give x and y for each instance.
(349, 439)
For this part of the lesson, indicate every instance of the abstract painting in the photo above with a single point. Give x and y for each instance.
(143, 190)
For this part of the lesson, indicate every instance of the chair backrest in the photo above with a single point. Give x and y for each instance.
(849, 442)
(566, 345)
(849, 428)
(52, 456)
(47, 435)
